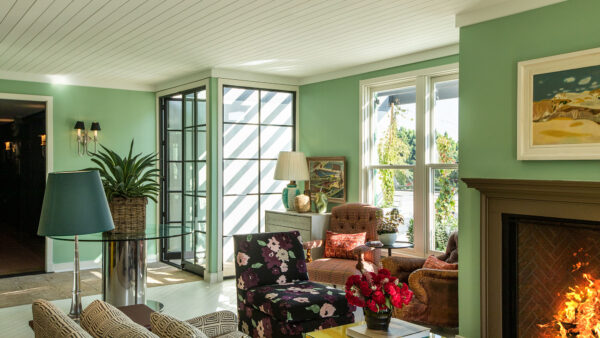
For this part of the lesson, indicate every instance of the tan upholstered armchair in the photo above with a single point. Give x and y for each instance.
(348, 218)
(435, 299)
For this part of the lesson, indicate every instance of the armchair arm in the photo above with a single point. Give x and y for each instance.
(216, 323)
(402, 267)
(434, 285)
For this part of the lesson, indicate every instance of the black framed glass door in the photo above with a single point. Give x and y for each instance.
(184, 175)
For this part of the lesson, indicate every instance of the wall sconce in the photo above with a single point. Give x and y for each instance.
(83, 138)
(43, 144)
(7, 146)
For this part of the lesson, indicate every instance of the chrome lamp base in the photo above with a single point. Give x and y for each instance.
(76, 308)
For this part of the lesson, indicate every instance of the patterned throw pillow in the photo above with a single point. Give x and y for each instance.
(167, 326)
(103, 320)
(49, 322)
(341, 245)
(433, 262)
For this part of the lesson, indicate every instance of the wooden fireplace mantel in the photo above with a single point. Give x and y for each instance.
(577, 200)
(568, 191)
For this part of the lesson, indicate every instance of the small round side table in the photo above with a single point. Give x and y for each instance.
(397, 245)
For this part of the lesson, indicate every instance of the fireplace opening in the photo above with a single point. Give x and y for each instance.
(550, 277)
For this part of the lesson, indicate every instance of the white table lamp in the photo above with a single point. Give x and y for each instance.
(291, 166)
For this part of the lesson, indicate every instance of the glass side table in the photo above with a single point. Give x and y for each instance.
(124, 262)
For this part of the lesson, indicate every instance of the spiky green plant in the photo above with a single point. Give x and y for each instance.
(131, 176)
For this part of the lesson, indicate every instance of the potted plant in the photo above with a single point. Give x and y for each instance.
(378, 294)
(387, 230)
(128, 183)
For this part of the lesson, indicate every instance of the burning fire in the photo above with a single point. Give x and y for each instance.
(579, 315)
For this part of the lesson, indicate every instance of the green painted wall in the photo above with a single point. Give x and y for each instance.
(489, 53)
(122, 114)
(329, 117)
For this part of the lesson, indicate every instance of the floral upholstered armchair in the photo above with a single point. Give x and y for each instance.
(336, 265)
(275, 297)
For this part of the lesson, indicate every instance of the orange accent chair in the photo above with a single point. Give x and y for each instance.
(348, 218)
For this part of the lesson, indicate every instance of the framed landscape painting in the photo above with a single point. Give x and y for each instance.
(559, 107)
(328, 174)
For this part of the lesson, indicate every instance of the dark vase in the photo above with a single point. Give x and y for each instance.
(377, 320)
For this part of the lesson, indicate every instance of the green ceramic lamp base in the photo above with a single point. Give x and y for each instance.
(289, 195)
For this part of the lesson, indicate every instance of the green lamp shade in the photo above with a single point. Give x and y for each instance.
(74, 204)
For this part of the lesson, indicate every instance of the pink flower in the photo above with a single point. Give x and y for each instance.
(242, 259)
(327, 310)
(301, 299)
(281, 280)
(273, 244)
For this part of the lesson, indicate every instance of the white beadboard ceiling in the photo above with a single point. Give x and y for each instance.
(141, 44)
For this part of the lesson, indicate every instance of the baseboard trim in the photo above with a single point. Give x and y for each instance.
(213, 277)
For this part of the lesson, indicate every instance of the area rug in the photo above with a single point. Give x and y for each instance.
(51, 286)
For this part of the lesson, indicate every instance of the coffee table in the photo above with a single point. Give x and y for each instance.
(397, 329)
(333, 332)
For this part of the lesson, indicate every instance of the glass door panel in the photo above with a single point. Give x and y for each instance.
(184, 187)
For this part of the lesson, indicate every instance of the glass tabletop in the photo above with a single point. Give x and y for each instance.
(152, 232)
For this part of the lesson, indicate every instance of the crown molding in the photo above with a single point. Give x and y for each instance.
(383, 64)
(506, 8)
(226, 73)
(74, 81)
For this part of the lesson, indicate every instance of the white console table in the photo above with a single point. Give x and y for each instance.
(312, 226)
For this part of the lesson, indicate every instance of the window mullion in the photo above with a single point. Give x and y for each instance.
(420, 175)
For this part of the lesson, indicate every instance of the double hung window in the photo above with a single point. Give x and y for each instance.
(410, 155)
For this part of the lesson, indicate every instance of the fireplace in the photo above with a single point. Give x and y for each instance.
(546, 227)
(547, 264)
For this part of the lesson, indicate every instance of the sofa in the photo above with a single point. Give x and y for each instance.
(101, 319)
(435, 299)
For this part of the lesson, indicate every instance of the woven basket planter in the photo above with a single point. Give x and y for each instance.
(129, 214)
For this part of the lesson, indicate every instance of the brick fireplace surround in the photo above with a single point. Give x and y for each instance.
(571, 200)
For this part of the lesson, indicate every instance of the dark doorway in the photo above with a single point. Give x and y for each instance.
(22, 183)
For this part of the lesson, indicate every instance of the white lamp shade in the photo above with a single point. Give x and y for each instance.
(291, 166)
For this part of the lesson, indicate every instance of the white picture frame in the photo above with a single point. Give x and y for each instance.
(527, 70)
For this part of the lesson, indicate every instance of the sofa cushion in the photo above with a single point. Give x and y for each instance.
(335, 270)
(216, 324)
(49, 322)
(301, 301)
(433, 262)
(169, 327)
(268, 258)
(101, 319)
(341, 245)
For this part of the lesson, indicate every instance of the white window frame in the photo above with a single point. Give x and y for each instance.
(424, 80)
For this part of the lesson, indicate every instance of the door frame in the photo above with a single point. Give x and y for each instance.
(48, 100)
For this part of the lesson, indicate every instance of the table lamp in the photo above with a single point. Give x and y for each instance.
(74, 204)
(291, 166)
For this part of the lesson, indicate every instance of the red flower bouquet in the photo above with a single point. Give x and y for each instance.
(378, 294)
